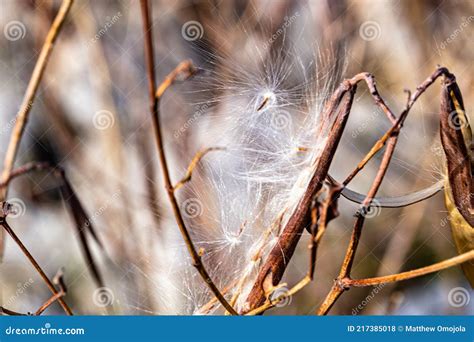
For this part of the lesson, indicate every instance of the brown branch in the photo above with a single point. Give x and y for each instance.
(392, 137)
(185, 69)
(397, 125)
(371, 84)
(59, 281)
(8, 312)
(32, 260)
(272, 271)
(275, 265)
(82, 222)
(321, 214)
(197, 158)
(27, 103)
(457, 260)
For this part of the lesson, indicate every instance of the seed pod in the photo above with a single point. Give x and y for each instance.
(456, 138)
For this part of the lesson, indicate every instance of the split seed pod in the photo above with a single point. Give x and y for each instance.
(456, 138)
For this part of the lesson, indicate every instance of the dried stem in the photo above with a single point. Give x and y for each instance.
(272, 271)
(82, 222)
(27, 103)
(35, 264)
(8, 312)
(391, 137)
(187, 70)
(59, 281)
(457, 260)
(275, 266)
(197, 158)
(321, 214)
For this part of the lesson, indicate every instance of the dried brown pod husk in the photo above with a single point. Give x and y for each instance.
(456, 138)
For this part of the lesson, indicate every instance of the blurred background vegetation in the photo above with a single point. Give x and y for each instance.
(91, 117)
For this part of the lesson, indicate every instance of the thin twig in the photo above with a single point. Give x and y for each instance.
(457, 260)
(32, 260)
(59, 281)
(397, 125)
(186, 70)
(82, 222)
(8, 312)
(391, 138)
(197, 158)
(320, 217)
(27, 103)
(337, 109)
(371, 84)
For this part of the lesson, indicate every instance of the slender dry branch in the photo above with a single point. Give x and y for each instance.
(184, 69)
(391, 137)
(272, 271)
(321, 214)
(8, 312)
(197, 158)
(82, 222)
(276, 262)
(27, 103)
(397, 125)
(32, 260)
(371, 84)
(59, 281)
(457, 260)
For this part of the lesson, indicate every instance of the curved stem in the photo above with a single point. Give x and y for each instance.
(35, 264)
(457, 260)
(186, 68)
(27, 103)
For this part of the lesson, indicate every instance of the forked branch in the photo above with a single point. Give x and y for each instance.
(4, 212)
(390, 137)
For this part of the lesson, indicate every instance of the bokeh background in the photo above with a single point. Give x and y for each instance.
(91, 117)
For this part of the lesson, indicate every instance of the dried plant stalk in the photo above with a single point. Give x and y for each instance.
(392, 137)
(49, 284)
(187, 70)
(27, 103)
